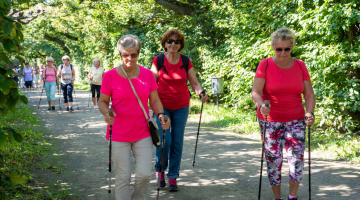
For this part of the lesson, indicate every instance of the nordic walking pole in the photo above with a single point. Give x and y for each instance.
(111, 113)
(197, 137)
(41, 95)
(76, 99)
(161, 159)
(309, 162)
(89, 98)
(267, 103)
(59, 97)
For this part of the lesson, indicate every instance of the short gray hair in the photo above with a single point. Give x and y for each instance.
(96, 59)
(283, 34)
(129, 41)
(50, 59)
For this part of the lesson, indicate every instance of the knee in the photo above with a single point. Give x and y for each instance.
(144, 176)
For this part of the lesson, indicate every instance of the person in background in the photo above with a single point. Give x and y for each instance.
(50, 79)
(15, 77)
(282, 80)
(21, 78)
(175, 96)
(95, 75)
(41, 75)
(28, 74)
(67, 73)
(36, 72)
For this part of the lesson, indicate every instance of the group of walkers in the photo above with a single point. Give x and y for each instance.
(27, 77)
(280, 79)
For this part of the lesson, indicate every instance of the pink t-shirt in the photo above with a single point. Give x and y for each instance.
(130, 124)
(173, 90)
(50, 75)
(283, 88)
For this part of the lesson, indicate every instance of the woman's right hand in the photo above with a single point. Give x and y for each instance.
(109, 119)
(265, 110)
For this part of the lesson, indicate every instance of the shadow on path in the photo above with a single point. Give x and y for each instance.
(227, 164)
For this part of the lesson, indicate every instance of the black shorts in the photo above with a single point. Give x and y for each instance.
(28, 84)
(97, 88)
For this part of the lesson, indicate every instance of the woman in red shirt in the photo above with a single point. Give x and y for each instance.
(172, 74)
(282, 80)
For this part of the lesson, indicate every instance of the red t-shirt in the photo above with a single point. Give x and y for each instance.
(283, 88)
(130, 123)
(173, 90)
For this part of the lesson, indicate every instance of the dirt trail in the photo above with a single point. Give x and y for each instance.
(227, 164)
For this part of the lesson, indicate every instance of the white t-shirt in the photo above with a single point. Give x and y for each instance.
(97, 75)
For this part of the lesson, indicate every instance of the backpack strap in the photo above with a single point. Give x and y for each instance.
(160, 63)
(185, 61)
(298, 63)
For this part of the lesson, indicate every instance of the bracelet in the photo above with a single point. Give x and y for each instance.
(260, 106)
(312, 114)
(160, 114)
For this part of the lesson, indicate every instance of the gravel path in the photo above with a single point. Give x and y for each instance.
(227, 164)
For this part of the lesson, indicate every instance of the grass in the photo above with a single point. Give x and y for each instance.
(325, 140)
(29, 155)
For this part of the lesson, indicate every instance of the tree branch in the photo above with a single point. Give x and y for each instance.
(19, 15)
(57, 41)
(182, 8)
(153, 15)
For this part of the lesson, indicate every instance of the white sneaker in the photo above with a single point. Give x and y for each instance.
(96, 107)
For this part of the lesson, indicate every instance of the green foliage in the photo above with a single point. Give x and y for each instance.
(223, 39)
(21, 158)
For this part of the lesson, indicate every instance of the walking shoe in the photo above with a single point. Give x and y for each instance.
(293, 198)
(53, 107)
(279, 199)
(96, 107)
(162, 179)
(173, 187)
(67, 109)
(71, 109)
(49, 108)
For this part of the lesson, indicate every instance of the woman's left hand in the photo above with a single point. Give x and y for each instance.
(165, 122)
(310, 119)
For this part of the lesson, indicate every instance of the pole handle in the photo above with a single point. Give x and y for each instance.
(111, 112)
(267, 103)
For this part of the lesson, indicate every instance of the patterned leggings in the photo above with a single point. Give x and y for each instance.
(293, 133)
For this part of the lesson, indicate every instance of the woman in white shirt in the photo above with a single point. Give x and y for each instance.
(67, 74)
(95, 75)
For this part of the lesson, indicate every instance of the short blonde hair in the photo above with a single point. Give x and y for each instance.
(65, 57)
(129, 41)
(49, 59)
(283, 34)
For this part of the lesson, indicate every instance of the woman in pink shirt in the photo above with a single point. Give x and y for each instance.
(130, 130)
(282, 80)
(49, 76)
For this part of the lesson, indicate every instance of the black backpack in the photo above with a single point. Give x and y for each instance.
(185, 61)
(61, 67)
(160, 63)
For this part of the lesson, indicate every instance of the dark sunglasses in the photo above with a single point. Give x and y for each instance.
(281, 49)
(170, 41)
(66, 60)
(134, 55)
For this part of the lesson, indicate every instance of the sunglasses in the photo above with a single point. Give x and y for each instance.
(66, 60)
(134, 55)
(286, 49)
(170, 41)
